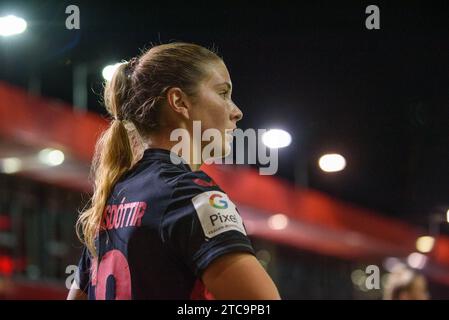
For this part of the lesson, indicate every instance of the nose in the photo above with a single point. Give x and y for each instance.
(237, 114)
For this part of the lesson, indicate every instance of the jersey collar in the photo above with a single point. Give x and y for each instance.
(166, 156)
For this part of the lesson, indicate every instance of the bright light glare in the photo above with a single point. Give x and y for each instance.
(51, 157)
(109, 70)
(278, 221)
(276, 138)
(10, 165)
(417, 260)
(332, 162)
(425, 244)
(11, 25)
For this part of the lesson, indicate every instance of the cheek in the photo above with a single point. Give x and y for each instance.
(219, 118)
(212, 110)
(214, 116)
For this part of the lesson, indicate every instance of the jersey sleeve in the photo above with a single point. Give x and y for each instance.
(201, 223)
(82, 276)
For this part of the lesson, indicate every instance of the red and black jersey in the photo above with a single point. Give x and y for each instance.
(162, 226)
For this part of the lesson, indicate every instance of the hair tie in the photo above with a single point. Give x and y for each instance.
(131, 66)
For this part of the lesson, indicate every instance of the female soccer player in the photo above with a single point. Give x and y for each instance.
(158, 227)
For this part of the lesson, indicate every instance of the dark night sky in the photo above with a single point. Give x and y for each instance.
(378, 97)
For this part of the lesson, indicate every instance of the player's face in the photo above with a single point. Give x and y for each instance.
(214, 106)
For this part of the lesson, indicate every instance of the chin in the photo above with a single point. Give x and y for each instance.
(227, 149)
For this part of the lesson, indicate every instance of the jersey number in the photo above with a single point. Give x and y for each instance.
(113, 279)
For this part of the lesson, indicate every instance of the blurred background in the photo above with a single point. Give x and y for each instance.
(362, 134)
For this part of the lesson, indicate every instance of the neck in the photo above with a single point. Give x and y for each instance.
(161, 140)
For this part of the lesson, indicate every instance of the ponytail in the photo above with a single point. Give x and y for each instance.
(112, 158)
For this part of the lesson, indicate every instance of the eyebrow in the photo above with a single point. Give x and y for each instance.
(228, 85)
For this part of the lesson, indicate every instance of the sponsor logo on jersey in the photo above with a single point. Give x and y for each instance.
(217, 201)
(217, 213)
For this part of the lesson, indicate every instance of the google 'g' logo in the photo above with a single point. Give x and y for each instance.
(219, 204)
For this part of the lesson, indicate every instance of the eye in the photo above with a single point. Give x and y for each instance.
(224, 94)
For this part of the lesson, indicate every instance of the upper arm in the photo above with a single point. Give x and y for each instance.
(239, 276)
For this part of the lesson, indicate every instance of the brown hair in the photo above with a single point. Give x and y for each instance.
(134, 96)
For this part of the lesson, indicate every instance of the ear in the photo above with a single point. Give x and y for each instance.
(179, 102)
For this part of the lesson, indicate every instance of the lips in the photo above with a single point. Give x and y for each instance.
(230, 132)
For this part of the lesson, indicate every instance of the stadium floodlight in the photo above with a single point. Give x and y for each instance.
(11, 25)
(109, 70)
(332, 162)
(51, 157)
(276, 138)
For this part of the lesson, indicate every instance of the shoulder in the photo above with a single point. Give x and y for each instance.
(196, 196)
(202, 223)
(197, 181)
(191, 187)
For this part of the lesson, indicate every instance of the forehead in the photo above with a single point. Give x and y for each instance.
(218, 75)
